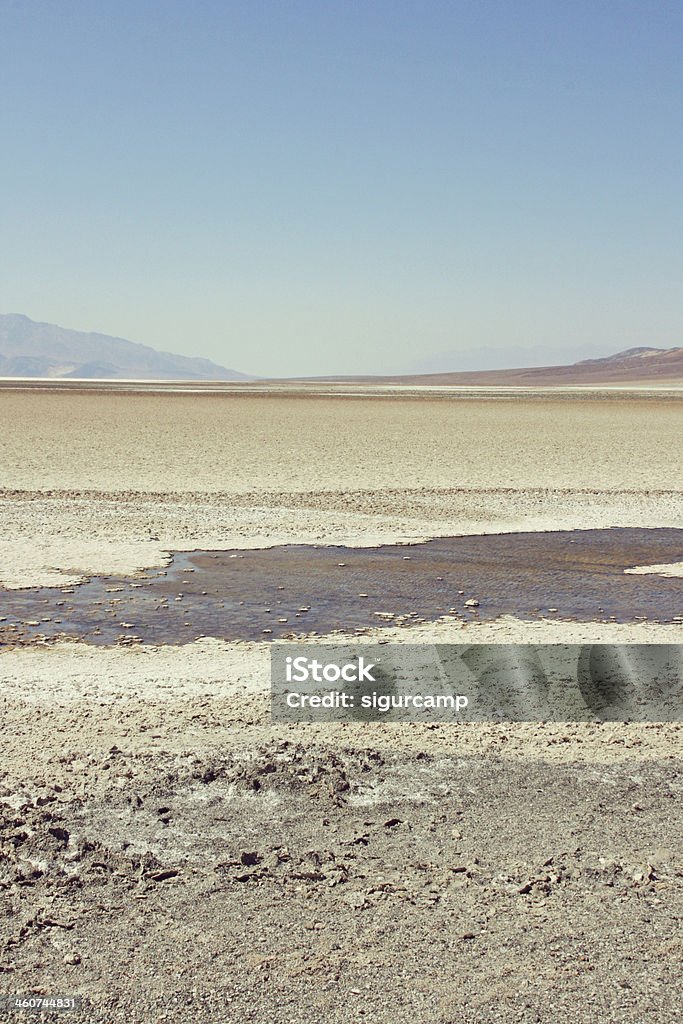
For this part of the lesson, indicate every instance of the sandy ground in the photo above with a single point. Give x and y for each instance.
(169, 854)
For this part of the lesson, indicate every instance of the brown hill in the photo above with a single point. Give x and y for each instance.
(633, 366)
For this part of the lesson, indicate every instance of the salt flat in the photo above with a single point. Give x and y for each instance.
(240, 443)
(98, 481)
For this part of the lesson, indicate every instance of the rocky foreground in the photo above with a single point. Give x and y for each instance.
(206, 866)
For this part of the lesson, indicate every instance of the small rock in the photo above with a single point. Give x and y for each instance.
(60, 834)
(249, 858)
(161, 876)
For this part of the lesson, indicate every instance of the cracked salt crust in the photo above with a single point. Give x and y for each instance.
(147, 699)
(670, 570)
(98, 484)
(51, 541)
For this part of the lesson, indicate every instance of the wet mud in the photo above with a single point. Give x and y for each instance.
(303, 590)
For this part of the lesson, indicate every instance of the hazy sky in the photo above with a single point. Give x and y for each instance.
(318, 187)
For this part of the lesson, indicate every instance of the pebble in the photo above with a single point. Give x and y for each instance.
(164, 874)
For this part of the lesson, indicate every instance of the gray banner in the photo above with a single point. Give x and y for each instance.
(476, 682)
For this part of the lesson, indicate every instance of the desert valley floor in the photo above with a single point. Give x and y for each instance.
(169, 854)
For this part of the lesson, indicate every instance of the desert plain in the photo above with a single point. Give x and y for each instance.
(169, 854)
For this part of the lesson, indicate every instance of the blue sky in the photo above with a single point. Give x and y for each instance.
(321, 187)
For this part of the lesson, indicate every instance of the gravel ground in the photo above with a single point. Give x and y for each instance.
(171, 855)
(293, 879)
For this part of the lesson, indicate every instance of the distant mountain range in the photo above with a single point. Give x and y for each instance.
(634, 365)
(30, 349)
